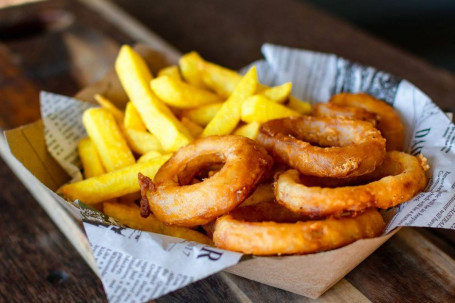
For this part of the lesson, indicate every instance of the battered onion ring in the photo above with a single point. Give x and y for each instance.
(171, 198)
(270, 238)
(354, 147)
(388, 120)
(348, 112)
(401, 178)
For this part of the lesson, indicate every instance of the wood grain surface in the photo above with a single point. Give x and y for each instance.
(79, 45)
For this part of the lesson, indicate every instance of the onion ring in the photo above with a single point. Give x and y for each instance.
(401, 178)
(271, 238)
(174, 200)
(388, 120)
(348, 112)
(343, 148)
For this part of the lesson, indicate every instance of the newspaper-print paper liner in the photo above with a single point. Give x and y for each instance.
(315, 77)
(135, 266)
(138, 266)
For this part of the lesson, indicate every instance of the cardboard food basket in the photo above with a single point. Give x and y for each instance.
(309, 275)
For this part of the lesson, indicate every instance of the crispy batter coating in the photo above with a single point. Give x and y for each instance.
(324, 146)
(175, 200)
(343, 111)
(388, 120)
(233, 232)
(399, 178)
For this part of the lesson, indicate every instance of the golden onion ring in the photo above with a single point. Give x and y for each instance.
(388, 120)
(271, 238)
(175, 199)
(324, 146)
(344, 111)
(401, 177)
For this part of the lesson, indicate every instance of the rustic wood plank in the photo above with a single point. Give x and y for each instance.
(38, 263)
(242, 31)
(15, 92)
(342, 292)
(407, 267)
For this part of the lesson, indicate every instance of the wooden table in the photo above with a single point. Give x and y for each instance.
(61, 46)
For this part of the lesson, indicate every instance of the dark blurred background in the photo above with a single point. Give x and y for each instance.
(425, 28)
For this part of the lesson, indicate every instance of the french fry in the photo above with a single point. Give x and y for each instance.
(202, 115)
(227, 118)
(180, 94)
(129, 198)
(159, 120)
(220, 79)
(141, 142)
(132, 118)
(106, 104)
(263, 193)
(192, 127)
(249, 130)
(108, 139)
(151, 155)
(189, 66)
(260, 109)
(90, 158)
(299, 106)
(171, 71)
(129, 214)
(113, 184)
(278, 94)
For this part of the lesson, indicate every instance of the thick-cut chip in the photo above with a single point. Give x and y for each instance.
(90, 158)
(141, 142)
(299, 106)
(111, 185)
(260, 109)
(129, 198)
(180, 94)
(278, 94)
(108, 139)
(151, 155)
(204, 114)
(220, 79)
(249, 130)
(190, 66)
(171, 71)
(192, 127)
(129, 214)
(263, 193)
(132, 118)
(109, 106)
(159, 120)
(227, 118)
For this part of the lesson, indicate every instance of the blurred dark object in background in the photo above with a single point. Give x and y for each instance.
(424, 28)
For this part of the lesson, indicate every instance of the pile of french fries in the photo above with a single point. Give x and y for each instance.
(195, 99)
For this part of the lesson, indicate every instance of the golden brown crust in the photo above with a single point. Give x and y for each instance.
(401, 177)
(324, 146)
(344, 111)
(175, 201)
(270, 238)
(389, 122)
